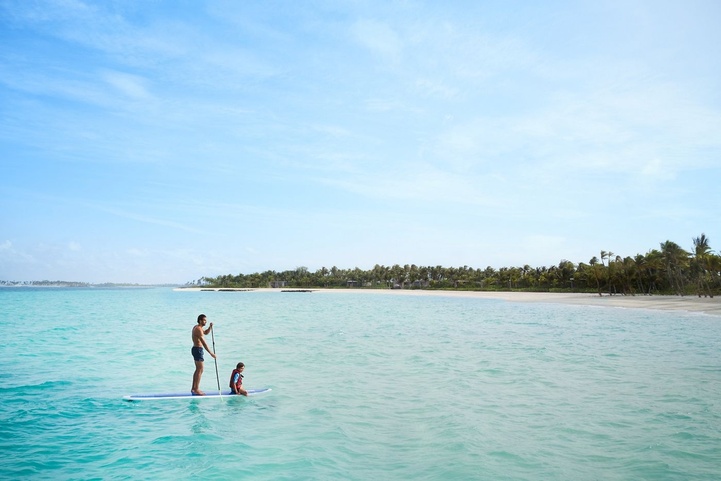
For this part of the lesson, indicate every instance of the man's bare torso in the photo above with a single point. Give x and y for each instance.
(198, 336)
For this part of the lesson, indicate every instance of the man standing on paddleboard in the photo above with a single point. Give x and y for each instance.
(197, 350)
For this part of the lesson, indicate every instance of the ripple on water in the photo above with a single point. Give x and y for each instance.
(364, 387)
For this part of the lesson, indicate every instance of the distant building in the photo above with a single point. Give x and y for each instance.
(278, 284)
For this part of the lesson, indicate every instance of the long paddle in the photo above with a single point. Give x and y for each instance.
(215, 358)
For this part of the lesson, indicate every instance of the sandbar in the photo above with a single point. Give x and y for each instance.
(706, 305)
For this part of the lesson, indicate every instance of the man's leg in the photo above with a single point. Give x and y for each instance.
(196, 378)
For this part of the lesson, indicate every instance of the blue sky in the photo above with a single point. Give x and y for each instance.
(162, 141)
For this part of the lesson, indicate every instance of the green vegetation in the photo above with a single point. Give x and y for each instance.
(668, 270)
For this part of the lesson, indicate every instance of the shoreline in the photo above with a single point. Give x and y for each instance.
(705, 305)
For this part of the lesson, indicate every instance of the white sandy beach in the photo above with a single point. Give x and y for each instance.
(706, 305)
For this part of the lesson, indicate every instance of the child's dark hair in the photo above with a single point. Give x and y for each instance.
(240, 364)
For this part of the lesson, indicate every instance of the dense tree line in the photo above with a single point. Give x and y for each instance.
(667, 270)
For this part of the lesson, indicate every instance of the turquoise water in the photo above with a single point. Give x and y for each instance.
(365, 387)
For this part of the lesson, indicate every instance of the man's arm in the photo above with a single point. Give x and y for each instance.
(210, 328)
(205, 345)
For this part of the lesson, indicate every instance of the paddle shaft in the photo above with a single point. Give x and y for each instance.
(215, 358)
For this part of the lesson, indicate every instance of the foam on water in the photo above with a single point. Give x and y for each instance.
(364, 387)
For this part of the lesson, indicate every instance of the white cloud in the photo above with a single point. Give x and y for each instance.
(655, 169)
(435, 88)
(12, 257)
(242, 122)
(148, 219)
(378, 37)
(131, 86)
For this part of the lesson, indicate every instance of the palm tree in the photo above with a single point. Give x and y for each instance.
(597, 270)
(414, 275)
(714, 266)
(654, 267)
(675, 261)
(641, 271)
(627, 274)
(397, 275)
(611, 285)
(700, 265)
(565, 273)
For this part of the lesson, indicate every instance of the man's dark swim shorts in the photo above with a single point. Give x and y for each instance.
(197, 353)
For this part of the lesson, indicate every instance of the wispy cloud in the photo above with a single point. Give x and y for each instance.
(132, 86)
(378, 37)
(249, 122)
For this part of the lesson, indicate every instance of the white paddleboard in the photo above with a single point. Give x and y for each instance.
(188, 395)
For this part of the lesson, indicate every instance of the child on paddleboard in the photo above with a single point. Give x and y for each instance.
(236, 380)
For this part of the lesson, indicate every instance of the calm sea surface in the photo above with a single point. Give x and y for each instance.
(365, 387)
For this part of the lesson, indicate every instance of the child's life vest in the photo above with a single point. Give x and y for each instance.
(236, 379)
